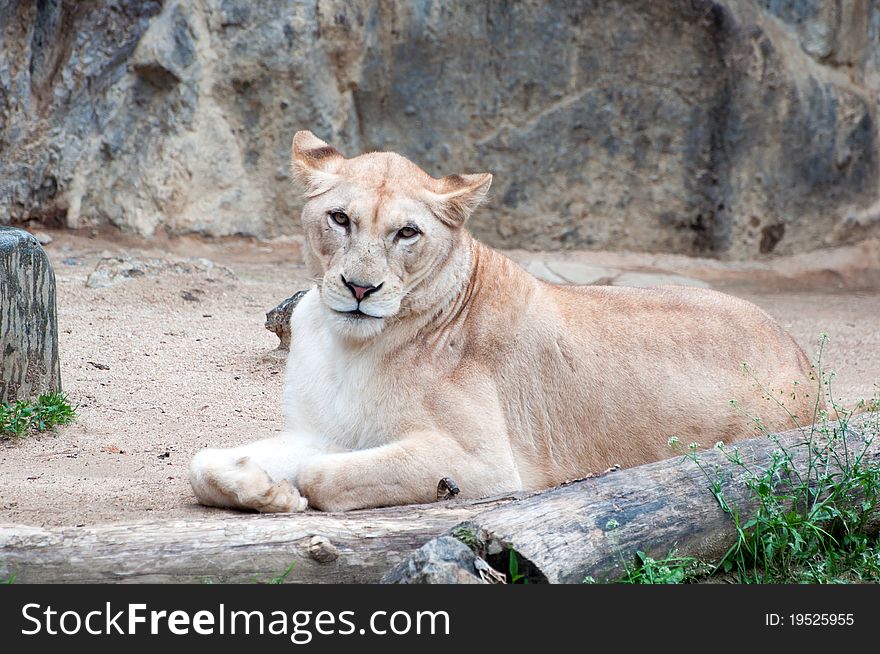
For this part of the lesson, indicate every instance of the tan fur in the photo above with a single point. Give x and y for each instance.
(473, 369)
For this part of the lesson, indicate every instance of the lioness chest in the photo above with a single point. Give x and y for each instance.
(349, 400)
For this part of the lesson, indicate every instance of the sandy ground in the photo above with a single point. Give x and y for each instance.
(163, 365)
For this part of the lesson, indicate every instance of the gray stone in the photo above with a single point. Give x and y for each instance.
(645, 280)
(735, 128)
(112, 270)
(830, 32)
(574, 272)
(29, 362)
(540, 270)
(444, 560)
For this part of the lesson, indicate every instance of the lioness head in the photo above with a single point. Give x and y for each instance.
(379, 232)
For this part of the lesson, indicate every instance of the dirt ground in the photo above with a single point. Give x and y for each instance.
(171, 361)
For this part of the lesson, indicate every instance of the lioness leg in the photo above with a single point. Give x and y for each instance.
(404, 472)
(255, 476)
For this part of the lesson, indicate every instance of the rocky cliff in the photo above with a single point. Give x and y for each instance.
(729, 127)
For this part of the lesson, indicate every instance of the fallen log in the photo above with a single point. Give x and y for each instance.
(589, 528)
(28, 321)
(356, 547)
(585, 528)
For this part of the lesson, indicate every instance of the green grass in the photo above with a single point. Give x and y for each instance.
(514, 576)
(17, 419)
(812, 510)
(811, 519)
(280, 579)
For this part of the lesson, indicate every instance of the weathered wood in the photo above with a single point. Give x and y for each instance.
(28, 320)
(359, 546)
(278, 319)
(561, 535)
(588, 528)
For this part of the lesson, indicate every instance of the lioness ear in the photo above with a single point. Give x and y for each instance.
(456, 196)
(314, 163)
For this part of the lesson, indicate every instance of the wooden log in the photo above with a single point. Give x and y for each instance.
(561, 535)
(278, 319)
(28, 320)
(589, 527)
(359, 546)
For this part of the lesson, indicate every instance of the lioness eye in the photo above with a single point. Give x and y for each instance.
(407, 232)
(339, 218)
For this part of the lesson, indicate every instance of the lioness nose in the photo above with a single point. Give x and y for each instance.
(360, 291)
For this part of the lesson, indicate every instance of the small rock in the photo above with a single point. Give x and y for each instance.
(189, 296)
(99, 366)
(444, 560)
(112, 270)
(42, 237)
(493, 547)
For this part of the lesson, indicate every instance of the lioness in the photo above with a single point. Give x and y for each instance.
(422, 354)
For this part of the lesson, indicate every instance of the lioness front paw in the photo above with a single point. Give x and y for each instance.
(282, 497)
(219, 479)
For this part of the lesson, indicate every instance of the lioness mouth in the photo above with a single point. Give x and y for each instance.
(357, 313)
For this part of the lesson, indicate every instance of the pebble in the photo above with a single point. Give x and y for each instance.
(42, 237)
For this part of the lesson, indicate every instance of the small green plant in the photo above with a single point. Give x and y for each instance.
(466, 535)
(280, 579)
(515, 576)
(672, 569)
(8, 581)
(19, 418)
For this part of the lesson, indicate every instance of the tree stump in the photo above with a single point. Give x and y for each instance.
(28, 319)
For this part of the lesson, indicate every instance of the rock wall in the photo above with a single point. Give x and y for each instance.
(735, 128)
